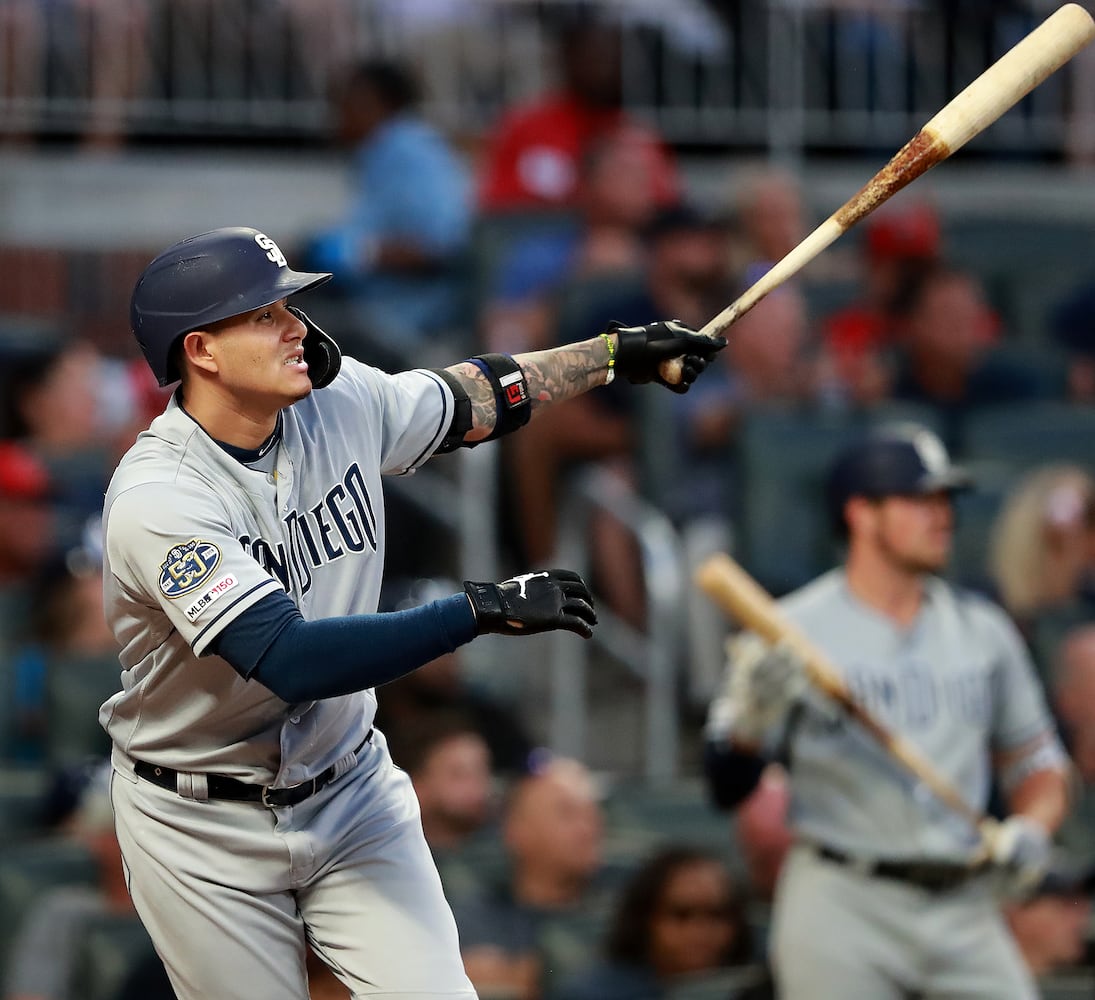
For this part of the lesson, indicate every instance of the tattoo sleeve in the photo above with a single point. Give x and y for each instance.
(552, 376)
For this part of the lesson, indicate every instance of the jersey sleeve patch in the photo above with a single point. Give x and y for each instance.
(215, 592)
(188, 567)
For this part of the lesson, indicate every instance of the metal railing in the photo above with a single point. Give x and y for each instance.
(654, 655)
(784, 76)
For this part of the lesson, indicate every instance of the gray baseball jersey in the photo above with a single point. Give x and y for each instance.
(193, 537)
(957, 684)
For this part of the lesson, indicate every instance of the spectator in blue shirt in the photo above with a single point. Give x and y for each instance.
(397, 252)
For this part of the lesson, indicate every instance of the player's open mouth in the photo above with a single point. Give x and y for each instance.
(296, 359)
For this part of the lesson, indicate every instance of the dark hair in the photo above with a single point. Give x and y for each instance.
(24, 372)
(416, 741)
(629, 935)
(391, 81)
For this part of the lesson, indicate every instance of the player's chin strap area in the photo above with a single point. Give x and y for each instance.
(322, 355)
(513, 408)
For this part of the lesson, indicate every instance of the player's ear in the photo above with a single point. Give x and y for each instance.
(196, 350)
(856, 510)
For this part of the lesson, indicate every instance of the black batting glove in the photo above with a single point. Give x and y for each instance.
(533, 602)
(643, 348)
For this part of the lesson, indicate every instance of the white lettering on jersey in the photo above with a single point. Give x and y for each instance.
(214, 593)
(273, 253)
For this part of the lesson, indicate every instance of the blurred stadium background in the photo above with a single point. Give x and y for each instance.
(128, 124)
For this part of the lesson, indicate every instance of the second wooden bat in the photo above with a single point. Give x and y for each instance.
(737, 593)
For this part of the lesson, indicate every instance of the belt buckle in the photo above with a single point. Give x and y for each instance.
(314, 782)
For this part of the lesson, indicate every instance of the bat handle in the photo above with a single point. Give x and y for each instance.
(672, 370)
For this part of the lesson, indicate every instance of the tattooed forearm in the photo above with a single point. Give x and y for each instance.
(554, 375)
(565, 371)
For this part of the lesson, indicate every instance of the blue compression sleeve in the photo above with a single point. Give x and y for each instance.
(304, 661)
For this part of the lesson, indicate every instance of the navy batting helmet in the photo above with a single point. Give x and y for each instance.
(210, 277)
(896, 460)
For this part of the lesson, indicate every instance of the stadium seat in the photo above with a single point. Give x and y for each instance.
(109, 951)
(22, 790)
(723, 984)
(569, 943)
(646, 815)
(1078, 985)
(783, 458)
(27, 870)
(495, 234)
(76, 685)
(1001, 442)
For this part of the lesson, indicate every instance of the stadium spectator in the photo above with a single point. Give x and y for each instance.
(107, 39)
(614, 203)
(770, 219)
(27, 536)
(68, 665)
(533, 157)
(440, 690)
(1072, 689)
(53, 409)
(685, 277)
(679, 916)
(898, 246)
(946, 356)
(1072, 324)
(449, 765)
(762, 832)
(553, 832)
(770, 361)
(397, 253)
(1042, 546)
(1051, 926)
(44, 955)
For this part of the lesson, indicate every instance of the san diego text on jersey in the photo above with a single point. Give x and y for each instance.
(343, 521)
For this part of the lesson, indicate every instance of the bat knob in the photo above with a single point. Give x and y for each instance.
(672, 370)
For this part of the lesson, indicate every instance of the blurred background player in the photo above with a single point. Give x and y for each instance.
(883, 894)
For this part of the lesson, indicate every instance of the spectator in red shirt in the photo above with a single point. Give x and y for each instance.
(900, 245)
(533, 158)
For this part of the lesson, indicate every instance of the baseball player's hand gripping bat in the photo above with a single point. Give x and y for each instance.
(737, 593)
(1007, 81)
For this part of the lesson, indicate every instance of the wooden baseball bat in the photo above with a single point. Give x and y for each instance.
(1007, 81)
(737, 593)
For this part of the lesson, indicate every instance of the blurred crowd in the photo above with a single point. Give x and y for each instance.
(566, 882)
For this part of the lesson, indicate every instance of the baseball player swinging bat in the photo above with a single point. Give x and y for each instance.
(737, 593)
(1007, 81)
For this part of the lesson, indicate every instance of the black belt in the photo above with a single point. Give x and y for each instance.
(220, 786)
(934, 876)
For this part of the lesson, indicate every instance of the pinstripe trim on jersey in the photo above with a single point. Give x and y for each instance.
(199, 644)
(446, 419)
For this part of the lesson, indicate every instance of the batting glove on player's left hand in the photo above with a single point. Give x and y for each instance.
(1021, 851)
(761, 684)
(643, 348)
(533, 602)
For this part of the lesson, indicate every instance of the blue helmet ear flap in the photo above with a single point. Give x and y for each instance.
(322, 355)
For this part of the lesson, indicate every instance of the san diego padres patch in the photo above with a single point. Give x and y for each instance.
(186, 567)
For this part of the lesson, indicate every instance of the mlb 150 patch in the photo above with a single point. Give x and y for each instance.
(186, 567)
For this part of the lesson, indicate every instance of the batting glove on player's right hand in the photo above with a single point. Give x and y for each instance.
(643, 348)
(1020, 849)
(533, 602)
(761, 685)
